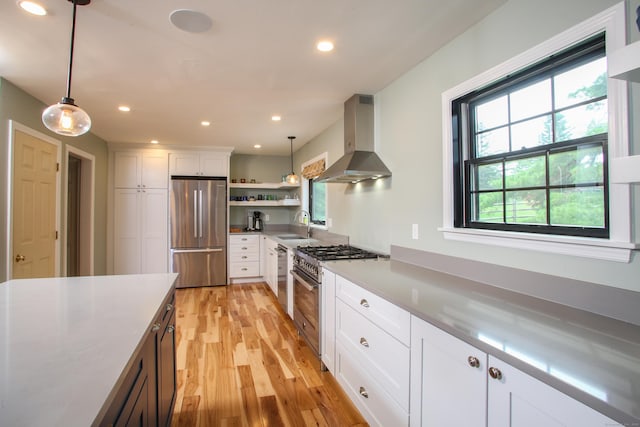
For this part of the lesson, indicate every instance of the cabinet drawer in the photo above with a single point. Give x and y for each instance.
(244, 250)
(382, 356)
(247, 256)
(245, 239)
(386, 315)
(244, 269)
(375, 404)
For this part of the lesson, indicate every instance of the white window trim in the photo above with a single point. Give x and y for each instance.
(305, 190)
(620, 243)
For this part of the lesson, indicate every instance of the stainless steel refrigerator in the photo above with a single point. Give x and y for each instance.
(198, 231)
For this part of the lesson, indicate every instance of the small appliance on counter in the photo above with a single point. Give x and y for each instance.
(251, 224)
(257, 221)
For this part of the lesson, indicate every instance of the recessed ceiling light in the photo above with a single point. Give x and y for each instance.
(154, 141)
(325, 46)
(257, 146)
(33, 8)
(205, 123)
(276, 118)
(124, 108)
(190, 21)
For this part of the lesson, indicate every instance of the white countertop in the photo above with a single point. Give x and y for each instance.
(64, 342)
(593, 358)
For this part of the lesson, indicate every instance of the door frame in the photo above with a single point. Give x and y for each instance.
(87, 200)
(13, 127)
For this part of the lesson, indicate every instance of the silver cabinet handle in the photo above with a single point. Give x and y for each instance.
(155, 327)
(195, 214)
(171, 328)
(495, 373)
(364, 303)
(363, 393)
(364, 342)
(200, 215)
(473, 362)
(169, 307)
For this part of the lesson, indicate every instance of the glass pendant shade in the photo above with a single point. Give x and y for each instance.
(66, 118)
(293, 179)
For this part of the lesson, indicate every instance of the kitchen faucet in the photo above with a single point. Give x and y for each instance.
(302, 212)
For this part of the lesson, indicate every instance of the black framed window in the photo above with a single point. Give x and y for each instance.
(318, 202)
(530, 151)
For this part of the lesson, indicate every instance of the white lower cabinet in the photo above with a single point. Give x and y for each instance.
(140, 231)
(446, 389)
(328, 320)
(244, 256)
(451, 385)
(519, 400)
(271, 265)
(372, 362)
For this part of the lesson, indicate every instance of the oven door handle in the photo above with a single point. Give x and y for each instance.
(303, 282)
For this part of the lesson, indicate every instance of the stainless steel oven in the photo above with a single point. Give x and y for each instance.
(306, 308)
(307, 286)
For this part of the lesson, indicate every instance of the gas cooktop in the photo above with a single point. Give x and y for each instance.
(336, 252)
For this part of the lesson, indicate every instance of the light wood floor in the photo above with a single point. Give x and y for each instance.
(241, 363)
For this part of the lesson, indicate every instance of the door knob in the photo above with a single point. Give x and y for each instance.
(495, 373)
(20, 258)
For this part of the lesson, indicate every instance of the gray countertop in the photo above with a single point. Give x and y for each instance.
(64, 343)
(594, 359)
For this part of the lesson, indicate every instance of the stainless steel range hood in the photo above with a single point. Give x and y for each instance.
(359, 162)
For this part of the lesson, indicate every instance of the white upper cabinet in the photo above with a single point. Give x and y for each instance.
(141, 169)
(199, 164)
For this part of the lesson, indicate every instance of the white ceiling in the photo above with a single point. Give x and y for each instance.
(258, 59)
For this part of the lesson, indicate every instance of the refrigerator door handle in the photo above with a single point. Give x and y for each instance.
(200, 225)
(187, 251)
(195, 214)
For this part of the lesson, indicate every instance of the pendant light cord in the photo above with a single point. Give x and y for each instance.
(73, 34)
(291, 138)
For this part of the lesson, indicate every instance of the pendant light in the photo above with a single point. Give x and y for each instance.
(292, 178)
(65, 117)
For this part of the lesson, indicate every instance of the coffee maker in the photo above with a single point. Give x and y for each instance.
(257, 221)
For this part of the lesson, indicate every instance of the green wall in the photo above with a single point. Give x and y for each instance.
(262, 169)
(19, 106)
(409, 140)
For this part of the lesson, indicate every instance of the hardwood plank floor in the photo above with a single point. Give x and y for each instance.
(240, 363)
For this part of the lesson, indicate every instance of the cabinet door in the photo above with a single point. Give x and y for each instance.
(154, 231)
(328, 319)
(519, 400)
(186, 164)
(154, 169)
(214, 164)
(126, 235)
(127, 170)
(166, 373)
(445, 389)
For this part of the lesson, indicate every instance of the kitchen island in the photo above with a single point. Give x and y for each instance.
(69, 347)
(588, 357)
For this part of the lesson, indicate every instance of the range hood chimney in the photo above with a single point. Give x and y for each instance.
(359, 162)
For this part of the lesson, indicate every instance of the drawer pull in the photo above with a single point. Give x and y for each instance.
(155, 327)
(171, 328)
(364, 342)
(473, 362)
(244, 269)
(244, 257)
(495, 373)
(363, 393)
(169, 307)
(244, 248)
(364, 303)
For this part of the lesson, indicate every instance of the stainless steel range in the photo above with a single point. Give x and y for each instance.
(307, 281)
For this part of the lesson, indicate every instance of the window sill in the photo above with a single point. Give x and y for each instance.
(582, 247)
